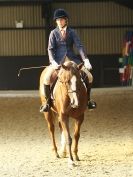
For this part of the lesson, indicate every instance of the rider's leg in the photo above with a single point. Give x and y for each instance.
(88, 82)
(45, 107)
(91, 103)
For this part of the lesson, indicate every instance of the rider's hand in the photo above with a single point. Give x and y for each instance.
(87, 64)
(55, 64)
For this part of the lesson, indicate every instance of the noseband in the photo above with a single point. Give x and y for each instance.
(72, 91)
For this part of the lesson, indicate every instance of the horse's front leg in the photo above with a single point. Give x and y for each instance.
(49, 119)
(63, 150)
(64, 120)
(78, 123)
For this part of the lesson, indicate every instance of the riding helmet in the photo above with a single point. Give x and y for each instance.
(60, 13)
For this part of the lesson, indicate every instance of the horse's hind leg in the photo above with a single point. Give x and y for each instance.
(49, 119)
(78, 123)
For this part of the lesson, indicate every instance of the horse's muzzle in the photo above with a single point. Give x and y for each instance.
(74, 106)
(74, 103)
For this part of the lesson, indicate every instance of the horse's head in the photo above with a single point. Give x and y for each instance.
(69, 75)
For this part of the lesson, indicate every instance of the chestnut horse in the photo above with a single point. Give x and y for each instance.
(69, 100)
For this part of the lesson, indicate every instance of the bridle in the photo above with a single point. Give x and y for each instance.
(67, 83)
(72, 91)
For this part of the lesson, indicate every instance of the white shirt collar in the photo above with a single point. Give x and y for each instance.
(63, 28)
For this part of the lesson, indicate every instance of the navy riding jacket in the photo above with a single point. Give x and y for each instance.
(59, 48)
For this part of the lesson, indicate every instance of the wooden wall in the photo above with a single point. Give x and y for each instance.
(101, 26)
(29, 40)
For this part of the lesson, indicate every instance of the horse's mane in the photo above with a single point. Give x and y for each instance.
(68, 69)
(70, 64)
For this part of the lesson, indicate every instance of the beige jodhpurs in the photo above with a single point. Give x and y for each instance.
(50, 70)
(48, 75)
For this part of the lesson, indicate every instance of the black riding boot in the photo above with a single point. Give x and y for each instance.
(91, 103)
(46, 106)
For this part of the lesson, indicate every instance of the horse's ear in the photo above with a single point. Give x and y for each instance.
(80, 66)
(64, 67)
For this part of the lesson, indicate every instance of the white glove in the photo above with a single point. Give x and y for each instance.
(87, 64)
(55, 64)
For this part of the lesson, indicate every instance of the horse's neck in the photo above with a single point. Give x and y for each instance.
(60, 97)
(60, 89)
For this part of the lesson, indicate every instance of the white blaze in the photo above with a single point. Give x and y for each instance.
(74, 99)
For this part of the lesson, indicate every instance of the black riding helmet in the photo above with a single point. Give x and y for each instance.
(60, 13)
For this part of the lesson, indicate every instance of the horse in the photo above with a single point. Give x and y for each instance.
(69, 101)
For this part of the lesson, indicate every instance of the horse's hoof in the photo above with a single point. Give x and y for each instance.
(71, 163)
(63, 154)
(57, 155)
(77, 158)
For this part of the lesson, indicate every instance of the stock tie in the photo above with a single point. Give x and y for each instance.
(63, 32)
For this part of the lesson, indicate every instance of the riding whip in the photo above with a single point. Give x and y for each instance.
(36, 67)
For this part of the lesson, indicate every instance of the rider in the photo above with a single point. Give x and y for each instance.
(60, 48)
